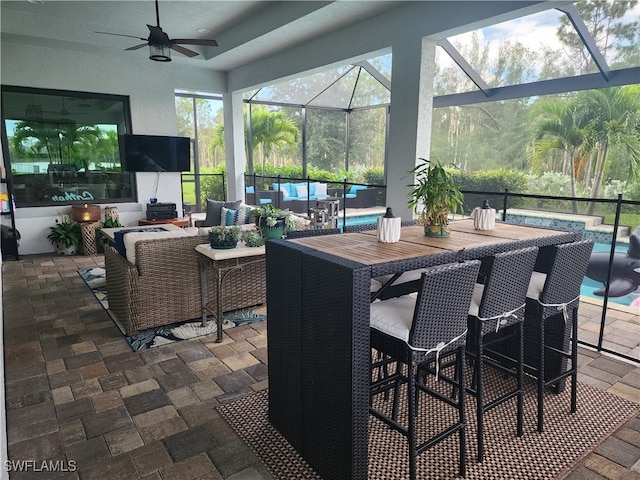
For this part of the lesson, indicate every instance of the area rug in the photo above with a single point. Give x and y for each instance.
(566, 439)
(95, 278)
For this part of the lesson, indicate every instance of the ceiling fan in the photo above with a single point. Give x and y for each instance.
(160, 45)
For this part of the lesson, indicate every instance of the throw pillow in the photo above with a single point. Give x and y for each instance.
(214, 209)
(301, 191)
(285, 192)
(230, 216)
(321, 189)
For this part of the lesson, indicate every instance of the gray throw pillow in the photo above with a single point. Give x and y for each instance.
(214, 210)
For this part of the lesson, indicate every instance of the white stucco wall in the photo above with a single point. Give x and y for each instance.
(150, 87)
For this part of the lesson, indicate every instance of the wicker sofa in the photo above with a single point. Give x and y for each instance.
(163, 286)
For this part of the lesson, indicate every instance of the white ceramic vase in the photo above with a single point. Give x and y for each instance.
(484, 218)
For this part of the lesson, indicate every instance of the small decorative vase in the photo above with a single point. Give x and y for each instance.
(437, 230)
(484, 218)
(389, 227)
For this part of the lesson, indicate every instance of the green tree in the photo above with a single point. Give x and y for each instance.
(611, 116)
(617, 39)
(556, 130)
(269, 129)
(58, 142)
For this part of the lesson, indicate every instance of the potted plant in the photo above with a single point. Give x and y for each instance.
(221, 237)
(252, 238)
(435, 195)
(272, 222)
(65, 236)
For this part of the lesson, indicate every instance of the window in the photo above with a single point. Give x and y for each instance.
(63, 147)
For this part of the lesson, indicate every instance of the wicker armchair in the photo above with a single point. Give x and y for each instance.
(163, 286)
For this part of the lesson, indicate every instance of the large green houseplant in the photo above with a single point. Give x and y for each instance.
(435, 195)
(65, 236)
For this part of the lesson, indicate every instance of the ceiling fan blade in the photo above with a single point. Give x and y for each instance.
(184, 51)
(121, 35)
(136, 47)
(194, 41)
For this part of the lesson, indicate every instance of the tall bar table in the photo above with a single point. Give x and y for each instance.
(318, 335)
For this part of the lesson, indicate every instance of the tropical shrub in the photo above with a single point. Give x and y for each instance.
(490, 181)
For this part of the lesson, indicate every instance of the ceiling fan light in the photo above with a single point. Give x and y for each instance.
(160, 53)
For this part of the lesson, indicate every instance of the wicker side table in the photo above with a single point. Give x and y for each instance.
(89, 244)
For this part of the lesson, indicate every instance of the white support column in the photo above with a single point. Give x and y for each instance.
(410, 117)
(234, 144)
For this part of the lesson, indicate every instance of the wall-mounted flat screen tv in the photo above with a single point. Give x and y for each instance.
(156, 153)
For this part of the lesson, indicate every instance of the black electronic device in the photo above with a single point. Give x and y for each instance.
(156, 153)
(161, 211)
(161, 207)
(162, 215)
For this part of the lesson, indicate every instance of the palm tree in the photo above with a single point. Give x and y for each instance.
(556, 130)
(270, 129)
(59, 141)
(611, 116)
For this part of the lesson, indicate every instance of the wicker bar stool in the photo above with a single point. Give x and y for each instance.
(552, 295)
(411, 332)
(496, 318)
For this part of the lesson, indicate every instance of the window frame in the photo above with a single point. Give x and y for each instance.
(129, 183)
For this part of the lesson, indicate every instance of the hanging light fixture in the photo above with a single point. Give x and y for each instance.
(160, 53)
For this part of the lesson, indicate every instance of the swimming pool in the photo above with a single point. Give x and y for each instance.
(588, 285)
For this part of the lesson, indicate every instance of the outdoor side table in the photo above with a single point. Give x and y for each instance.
(223, 262)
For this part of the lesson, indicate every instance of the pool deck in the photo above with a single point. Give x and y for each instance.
(621, 331)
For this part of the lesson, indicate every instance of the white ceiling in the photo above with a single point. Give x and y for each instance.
(244, 30)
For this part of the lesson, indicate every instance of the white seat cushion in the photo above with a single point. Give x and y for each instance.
(536, 285)
(478, 291)
(394, 316)
(375, 285)
(130, 240)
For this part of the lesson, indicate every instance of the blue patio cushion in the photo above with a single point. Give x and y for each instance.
(293, 193)
(251, 189)
(354, 189)
(287, 186)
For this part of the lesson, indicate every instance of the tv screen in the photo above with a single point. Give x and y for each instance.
(155, 153)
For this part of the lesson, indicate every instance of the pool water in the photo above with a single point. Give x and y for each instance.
(588, 285)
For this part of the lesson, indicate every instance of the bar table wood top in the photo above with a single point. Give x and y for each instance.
(318, 293)
(465, 243)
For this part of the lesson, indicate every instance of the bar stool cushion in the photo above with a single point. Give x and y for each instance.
(478, 291)
(536, 285)
(394, 316)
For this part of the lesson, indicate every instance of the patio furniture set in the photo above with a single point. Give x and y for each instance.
(340, 319)
(300, 197)
(333, 338)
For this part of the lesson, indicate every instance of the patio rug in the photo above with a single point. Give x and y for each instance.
(95, 279)
(566, 439)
